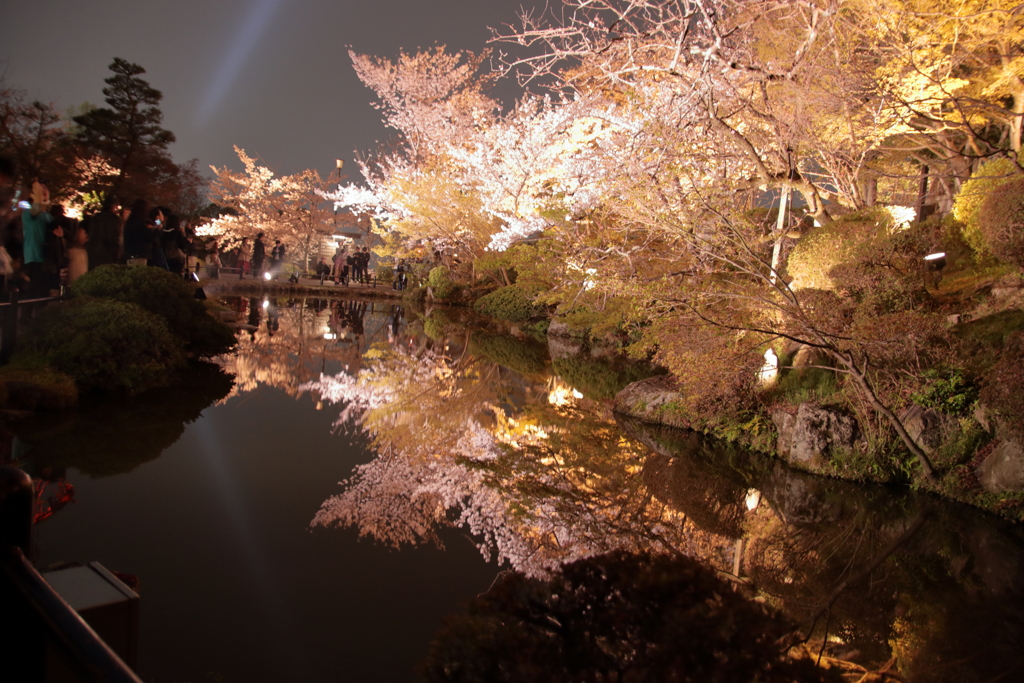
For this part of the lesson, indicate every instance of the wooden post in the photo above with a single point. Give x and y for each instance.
(10, 329)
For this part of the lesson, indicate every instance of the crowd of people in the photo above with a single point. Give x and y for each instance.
(42, 249)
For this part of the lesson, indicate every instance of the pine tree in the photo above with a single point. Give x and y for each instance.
(128, 133)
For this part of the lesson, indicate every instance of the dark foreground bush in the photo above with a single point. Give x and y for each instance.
(165, 295)
(104, 344)
(512, 303)
(617, 617)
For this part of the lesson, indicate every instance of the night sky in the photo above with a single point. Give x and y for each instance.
(271, 76)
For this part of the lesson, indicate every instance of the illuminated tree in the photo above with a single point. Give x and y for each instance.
(430, 97)
(292, 208)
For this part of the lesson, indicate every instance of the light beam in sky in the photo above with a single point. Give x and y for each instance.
(260, 14)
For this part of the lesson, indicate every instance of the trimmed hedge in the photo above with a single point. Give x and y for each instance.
(440, 282)
(163, 294)
(827, 246)
(1001, 222)
(511, 303)
(104, 344)
(967, 205)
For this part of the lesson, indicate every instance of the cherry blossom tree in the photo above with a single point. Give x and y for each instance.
(292, 208)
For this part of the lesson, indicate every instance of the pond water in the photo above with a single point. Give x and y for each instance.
(464, 452)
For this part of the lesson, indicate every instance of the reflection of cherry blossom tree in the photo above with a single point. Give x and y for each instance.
(533, 491)
(292, 341)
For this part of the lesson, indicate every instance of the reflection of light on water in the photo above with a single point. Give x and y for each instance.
(560, 394)
(753, 498)
(261, 578)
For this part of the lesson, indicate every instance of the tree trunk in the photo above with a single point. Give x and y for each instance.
(870, 191)
(922, 193)
(780, 226)
(861, 378)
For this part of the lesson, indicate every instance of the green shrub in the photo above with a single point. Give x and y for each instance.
(889, 274)
(950, 394)
(512, 303)
(104, 344)
(385, 273)
(440, 282)
(825, 247)
(1001, 222)
(973, 193)
(524, 357)
(984, 339)
(415, 295)
(165, 295)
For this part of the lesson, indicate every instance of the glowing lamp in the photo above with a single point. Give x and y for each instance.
(266, 276)
(936, 260)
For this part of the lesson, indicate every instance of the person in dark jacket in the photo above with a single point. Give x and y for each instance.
(174, 244)
(104, 231)
(138, 229)
(259, 254)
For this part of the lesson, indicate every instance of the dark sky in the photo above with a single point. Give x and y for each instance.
(272, 76)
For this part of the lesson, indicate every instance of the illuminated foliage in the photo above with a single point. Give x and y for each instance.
(973, 194)
(292, 208)
(1001, 222)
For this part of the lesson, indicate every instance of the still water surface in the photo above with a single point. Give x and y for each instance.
(479, 440)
